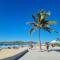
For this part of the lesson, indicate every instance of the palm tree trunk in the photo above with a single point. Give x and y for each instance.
(39, 41)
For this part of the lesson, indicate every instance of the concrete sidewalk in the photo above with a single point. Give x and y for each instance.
(35, 54)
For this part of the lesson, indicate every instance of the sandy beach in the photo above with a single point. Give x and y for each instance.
(35, 54)
(4, 53)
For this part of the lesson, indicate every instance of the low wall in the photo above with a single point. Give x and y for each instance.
(17, 56)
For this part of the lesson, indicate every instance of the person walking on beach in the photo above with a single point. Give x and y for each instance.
(47, 46)
(31, 46)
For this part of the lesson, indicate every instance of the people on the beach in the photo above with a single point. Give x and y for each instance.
(47, 46)
(53, 45)
(31, 46)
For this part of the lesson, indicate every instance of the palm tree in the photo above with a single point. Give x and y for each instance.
(40, 22)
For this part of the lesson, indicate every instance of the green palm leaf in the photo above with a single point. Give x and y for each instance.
(31, 23)
(48, 29)
(51, 22)
(31, 30)
(35, 19)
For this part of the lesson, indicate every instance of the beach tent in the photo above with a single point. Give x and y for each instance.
(53, 41)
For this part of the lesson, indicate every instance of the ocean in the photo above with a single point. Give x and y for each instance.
(12, 45)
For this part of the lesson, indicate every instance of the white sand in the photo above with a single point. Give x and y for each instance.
(35, 54)
(4, 53)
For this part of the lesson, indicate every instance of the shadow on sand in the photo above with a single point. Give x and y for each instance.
(56, 50)
(50, 50)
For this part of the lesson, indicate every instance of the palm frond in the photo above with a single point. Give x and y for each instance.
(51, 22)
(35, 19)
(31, 30)
(42, 15)
(31, 23)
(48, 29)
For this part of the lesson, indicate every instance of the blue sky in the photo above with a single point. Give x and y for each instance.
(15, 13)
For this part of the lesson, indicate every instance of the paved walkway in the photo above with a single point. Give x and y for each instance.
(35, 54)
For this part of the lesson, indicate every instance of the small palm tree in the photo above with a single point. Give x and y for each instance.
(40, 22)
